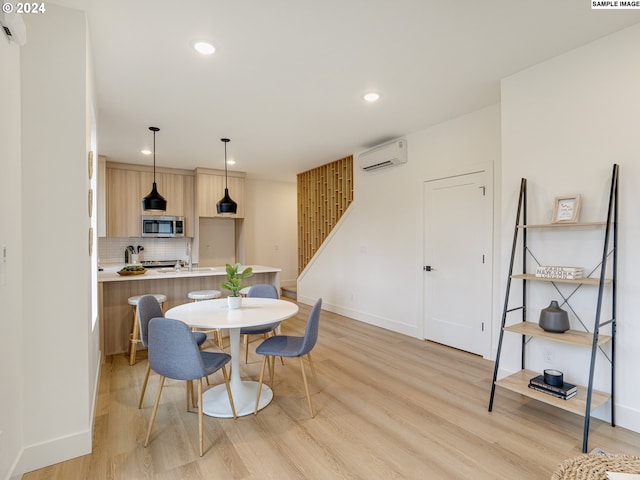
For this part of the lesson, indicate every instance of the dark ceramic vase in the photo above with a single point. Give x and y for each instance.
(554, 319)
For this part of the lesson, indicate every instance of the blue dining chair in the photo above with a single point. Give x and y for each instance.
(292, 346)
(263, 290)
(174, 353)
(148, 308)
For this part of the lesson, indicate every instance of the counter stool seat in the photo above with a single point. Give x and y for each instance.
(204, 294)
(134, 336)
(198, 295)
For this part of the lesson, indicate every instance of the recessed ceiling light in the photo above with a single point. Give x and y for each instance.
(231, 162)
(204, 48)
(146, 152)
(371, 96)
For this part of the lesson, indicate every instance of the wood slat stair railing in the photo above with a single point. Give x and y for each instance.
(324, 194)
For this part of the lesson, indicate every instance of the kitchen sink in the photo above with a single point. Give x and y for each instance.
(165, 270)
(186, 270)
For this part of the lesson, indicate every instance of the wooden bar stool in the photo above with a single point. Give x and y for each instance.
(198, 295)
(134, 336)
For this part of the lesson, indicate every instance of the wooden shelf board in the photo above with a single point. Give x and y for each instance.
(586, 280)
(564, 225)
(574, 337)
(519, 383)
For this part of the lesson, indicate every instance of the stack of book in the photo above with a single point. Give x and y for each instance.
(565, 392)
(565, 273)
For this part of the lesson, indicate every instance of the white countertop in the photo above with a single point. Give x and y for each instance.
(109, 273)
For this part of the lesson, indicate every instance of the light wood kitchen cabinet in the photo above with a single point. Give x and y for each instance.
(101, 197)
(189, 204)
(210, 189)
(124, 202)
(126, 186)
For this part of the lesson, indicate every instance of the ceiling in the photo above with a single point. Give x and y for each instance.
(287, 79)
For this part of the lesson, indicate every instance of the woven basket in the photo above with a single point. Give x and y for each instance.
(595, 466)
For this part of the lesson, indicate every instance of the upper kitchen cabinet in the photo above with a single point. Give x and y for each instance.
(124, 202)
(188, 204)
(128, 184)
(101, 196)
(210, 189)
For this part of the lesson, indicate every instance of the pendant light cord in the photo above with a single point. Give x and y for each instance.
(154, 156)
(226, 186)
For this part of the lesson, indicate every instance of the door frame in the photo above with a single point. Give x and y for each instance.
(488, 168)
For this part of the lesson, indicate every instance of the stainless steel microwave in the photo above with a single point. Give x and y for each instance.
(162, 226)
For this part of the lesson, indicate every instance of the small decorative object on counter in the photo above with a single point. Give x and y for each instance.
(132, 270)
(554, 319)
(234, 283)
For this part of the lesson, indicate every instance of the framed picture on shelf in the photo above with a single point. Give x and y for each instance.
(566, 209)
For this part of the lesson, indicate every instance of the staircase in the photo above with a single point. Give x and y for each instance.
(290, 291)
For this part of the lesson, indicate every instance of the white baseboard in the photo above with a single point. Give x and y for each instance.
(386, 323)
(59, 449)
(53, 451)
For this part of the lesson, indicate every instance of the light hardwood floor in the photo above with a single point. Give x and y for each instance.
(390, 407)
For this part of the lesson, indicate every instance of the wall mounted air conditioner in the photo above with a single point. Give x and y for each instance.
(385, 155)
(14, 27)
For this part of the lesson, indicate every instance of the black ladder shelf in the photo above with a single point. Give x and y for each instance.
(587, 398)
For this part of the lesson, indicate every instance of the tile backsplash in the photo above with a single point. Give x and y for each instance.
(111, 250)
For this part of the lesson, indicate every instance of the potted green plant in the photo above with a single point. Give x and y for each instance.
(234, 283)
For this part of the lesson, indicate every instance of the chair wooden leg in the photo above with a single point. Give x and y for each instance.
(273, 334)
(200, 435)
(134, 337)
(155, 410)
(191, 395)
(246, 348)
(264, 364)
(219, 336)
(313, 371)
(306, 387)
(144, 386)
(272, 370)
(226, 382)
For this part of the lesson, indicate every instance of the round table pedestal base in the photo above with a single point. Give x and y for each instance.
(215, 401)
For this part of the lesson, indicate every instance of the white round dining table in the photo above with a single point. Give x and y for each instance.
(211, 314)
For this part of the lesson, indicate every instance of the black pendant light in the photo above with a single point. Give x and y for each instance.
(226, 205)
(154, 201)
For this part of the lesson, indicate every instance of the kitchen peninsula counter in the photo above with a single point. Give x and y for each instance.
(114, 290)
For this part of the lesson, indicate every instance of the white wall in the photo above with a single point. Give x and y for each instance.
(11, 311)
(562, 124)
(54, 351)
(270, 226)
(370, 269)
(565, 122)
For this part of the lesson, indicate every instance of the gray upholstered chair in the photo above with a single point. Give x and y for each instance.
(148, 308)
(263, 290)
(292, 346)
(174, 353)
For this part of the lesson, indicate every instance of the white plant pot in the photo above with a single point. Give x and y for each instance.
(234, 302)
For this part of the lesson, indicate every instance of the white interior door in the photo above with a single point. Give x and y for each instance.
(457, 254)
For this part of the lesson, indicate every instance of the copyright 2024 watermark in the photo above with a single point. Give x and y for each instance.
(615, 5)
(24, 7)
